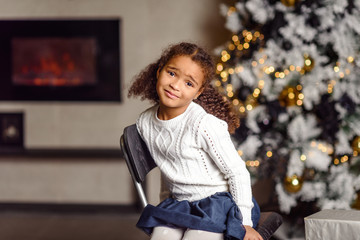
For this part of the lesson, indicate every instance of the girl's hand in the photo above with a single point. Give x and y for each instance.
(251, 234)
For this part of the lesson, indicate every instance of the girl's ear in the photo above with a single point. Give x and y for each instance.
(199, 92)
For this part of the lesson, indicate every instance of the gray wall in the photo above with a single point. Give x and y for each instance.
(147, 27)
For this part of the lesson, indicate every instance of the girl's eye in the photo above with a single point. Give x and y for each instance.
(171, 73)
(189, 84)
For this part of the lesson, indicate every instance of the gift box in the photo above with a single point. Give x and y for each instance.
(333, 225)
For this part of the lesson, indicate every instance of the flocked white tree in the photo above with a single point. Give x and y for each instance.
(292, 71)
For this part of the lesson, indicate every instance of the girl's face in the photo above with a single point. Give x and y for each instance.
(179, 82)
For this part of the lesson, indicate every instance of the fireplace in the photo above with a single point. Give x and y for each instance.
(60, 60)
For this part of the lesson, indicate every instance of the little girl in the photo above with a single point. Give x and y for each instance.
(187, 132)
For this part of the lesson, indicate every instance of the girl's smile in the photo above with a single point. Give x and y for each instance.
(179, 82)
(170, 94)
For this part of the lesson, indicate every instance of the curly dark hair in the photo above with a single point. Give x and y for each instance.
(212, 101)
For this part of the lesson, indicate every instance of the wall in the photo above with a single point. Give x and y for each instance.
(147, 27)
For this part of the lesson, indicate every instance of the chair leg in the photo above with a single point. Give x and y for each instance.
(141, 193)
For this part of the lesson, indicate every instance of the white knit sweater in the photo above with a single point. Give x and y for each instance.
(196, 156)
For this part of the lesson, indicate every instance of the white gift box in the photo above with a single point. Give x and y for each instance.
(333, 225)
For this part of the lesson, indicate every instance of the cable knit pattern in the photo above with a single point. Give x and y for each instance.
(196, 156)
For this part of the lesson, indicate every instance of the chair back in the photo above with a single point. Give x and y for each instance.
(136, 153)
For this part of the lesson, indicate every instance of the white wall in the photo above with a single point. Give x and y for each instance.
(147, 27)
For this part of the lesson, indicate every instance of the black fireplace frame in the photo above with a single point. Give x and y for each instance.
(107, 35)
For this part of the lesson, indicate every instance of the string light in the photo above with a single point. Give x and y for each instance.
(225, 56)
(324, 147)
(219, 67)
(307, 62)
(253, 163)
(235, 102)
(289, 96)
(295, 182)
(330, 88)
(231, 47)
(256, 92)
(239, 69)
(347, 71)
(239, 46)
(261, 84)
(342, 159)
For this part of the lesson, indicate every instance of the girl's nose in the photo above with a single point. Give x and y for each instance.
(175, 84)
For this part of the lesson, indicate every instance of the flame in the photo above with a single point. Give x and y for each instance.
(52, 72)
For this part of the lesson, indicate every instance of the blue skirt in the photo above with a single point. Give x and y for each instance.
(217, 213)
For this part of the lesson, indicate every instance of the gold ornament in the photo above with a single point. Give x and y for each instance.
(356, 144)
(289, 3)
(289, 96)
(309, 63)
(293, 184)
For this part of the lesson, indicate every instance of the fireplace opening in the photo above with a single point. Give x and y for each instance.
(55, 62)
(60, 60)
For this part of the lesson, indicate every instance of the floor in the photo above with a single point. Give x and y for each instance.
(69, 226)
(65, 224)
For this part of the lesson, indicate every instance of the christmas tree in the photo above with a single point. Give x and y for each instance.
(291, 71)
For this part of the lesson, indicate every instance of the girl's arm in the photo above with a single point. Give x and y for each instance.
(216, 140)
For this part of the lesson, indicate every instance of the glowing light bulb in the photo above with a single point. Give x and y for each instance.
(295, 182)
(350, 59)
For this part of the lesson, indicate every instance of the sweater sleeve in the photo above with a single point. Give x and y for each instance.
(216, 141)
